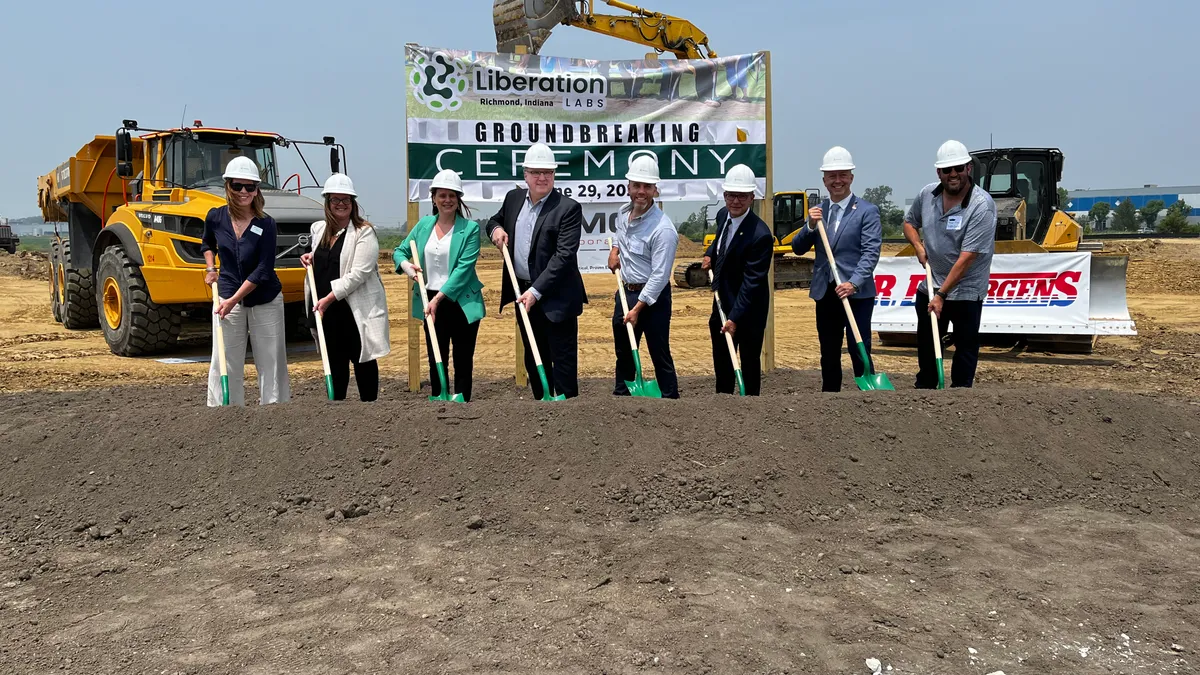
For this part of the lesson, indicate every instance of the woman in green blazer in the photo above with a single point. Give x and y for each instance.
(448, 246)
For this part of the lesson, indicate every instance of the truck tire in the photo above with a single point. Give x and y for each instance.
(79, 292)
(55, 289)
(134, 325)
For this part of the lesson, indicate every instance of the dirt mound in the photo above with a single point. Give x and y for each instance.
(25, 264)
(518, 536)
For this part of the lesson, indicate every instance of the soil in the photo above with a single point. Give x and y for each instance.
(1023, 529)
(25, 264)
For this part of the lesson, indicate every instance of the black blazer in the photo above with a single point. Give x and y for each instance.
(553, 252)
(740, 272)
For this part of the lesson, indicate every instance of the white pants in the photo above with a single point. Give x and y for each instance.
(265, 326)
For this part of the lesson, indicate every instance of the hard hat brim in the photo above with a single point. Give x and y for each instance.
(948, 162)
(837, 167)
(540, 165)
(649, 180)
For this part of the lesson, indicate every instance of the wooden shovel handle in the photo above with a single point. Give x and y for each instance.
(312, 285)
(838, 281)
(625, 310)
(737, 363)
(512, 276)
(220, 331)
(933, 319)
(437, 351)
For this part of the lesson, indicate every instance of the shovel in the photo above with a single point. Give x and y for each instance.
(937, 338)
(312, 285)
(869, 380)
(437, 351)
(737, 364)
(221, 347)
(640, 386)
(537, 355)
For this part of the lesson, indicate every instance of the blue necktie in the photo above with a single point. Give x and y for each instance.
(833, 216)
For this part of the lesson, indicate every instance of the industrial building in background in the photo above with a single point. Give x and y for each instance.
(1080, 202)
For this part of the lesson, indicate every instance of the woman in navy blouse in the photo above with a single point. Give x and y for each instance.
(242, 237)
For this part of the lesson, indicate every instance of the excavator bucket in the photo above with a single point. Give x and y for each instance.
(528, 22)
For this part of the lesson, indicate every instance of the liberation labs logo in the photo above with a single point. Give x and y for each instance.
(583, 92)
(439, 81)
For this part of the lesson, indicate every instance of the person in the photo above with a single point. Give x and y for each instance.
(242, 237)
(448, 247)
(740, 258)
(957, 234)
(644, 251)
(349, 292)
(541, 229)
(856, 235)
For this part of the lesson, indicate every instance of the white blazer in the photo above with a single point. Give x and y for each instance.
(360, 286)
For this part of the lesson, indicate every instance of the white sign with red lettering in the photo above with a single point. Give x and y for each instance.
(1038, 293)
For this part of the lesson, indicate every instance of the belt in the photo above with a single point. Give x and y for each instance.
(634, 288)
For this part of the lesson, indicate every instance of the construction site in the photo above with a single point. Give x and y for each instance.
(1043, 521)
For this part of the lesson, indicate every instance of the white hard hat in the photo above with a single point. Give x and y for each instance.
(740, 179)
(339, 184)
(837, 159)
(540, 156)
(448, 179)
(242, 168)
(643, 169)
(952, 153)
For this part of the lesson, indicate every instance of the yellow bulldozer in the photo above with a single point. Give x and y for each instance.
(134, 208)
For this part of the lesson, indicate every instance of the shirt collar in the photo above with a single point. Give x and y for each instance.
(845, 202)
(533, 204)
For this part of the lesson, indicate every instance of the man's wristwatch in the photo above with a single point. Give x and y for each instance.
(941, 294)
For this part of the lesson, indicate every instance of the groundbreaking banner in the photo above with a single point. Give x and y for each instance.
(1041, 293)
(477, 112)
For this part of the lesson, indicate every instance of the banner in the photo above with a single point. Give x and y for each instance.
(1034, 293)
(477, 112)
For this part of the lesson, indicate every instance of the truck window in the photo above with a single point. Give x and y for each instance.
(200, 162)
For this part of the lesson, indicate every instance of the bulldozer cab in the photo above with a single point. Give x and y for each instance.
(197, 159)
(791, 212)
(1024, 184)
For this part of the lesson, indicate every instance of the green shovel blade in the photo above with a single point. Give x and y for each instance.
(445, 395)
(870, 380)
(224, 390)
(642, 386)
(329, 386)
(941, 375)
(737, 374)
(546, 386)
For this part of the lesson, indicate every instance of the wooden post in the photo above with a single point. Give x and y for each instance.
(415, 338)
(519, 374)
(767, 213)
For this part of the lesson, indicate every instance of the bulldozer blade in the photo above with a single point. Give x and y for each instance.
(641, 386)
(528, 22)
(871, 380)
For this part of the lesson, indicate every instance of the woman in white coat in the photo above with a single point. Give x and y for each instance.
(349, 292)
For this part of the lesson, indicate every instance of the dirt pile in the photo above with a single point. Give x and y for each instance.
(25, 264)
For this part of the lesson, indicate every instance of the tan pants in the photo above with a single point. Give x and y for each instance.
(263, 325)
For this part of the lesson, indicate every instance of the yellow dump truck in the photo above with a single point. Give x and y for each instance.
(135, 205)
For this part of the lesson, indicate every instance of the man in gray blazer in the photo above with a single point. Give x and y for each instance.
(855, 235)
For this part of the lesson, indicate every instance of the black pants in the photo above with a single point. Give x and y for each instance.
(452, 327)
(965, 315)
(558, 345)
(344, 345)
(748, 339)
(654, 322)
(831, 326)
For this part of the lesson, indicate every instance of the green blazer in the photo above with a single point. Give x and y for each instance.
(463, 285)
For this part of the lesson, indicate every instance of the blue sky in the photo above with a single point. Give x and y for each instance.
(1115, 85)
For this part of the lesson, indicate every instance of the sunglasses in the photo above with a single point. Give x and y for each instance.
(344, 201)
(244, 187)
(961, 168)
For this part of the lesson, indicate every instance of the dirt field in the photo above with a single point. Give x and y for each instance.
(1044, 522)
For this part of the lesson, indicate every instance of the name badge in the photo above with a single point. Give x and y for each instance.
(256, 230)
(954, 223)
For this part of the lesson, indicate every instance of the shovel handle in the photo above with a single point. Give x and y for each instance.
(312, 285)
(933, 320)
(737, 363)
(220, 331)
(437, 351)
(512, 276)
(838, 281)
(625, 310)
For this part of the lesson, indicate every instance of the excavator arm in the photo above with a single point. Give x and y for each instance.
(529, 22)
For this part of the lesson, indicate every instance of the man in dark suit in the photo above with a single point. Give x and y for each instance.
(541, 229)
(855, 235)
(740, 258)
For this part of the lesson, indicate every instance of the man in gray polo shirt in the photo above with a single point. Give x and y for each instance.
(957, 223)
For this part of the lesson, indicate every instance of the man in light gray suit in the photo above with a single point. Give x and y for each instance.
(855, 235)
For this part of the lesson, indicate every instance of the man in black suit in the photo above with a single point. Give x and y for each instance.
(740, 258)
(541, 229)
